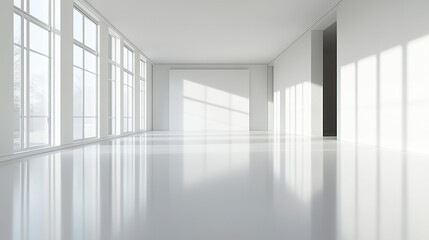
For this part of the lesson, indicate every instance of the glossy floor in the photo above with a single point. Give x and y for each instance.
(219, 186)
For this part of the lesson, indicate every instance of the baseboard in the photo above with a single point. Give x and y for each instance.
(61, 147)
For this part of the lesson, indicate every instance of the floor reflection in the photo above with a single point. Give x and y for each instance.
(235, 185)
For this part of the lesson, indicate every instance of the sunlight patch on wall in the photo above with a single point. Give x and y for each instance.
(348, 102)
(209, 100)
(206, 108)
(386, 102)
(418, 94)
(277, 113)
(366, 100)
(297, 109)
(391, 97)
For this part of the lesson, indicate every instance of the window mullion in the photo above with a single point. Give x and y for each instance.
(34, 20)
(84, 47)
(50, 85)
(27, 85)
(44, 55)
(83, 92)
(21, 84)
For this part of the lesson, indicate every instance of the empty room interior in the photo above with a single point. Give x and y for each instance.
(214, 119)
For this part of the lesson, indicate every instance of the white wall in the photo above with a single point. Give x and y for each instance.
(209, 100)
(383, 61)
(298, 79)
(6, 70)
(258, 93)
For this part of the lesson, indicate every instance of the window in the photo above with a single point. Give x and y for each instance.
(128, 88)
(32, 74)
(85, 75)
(142, 95)
(114, 76)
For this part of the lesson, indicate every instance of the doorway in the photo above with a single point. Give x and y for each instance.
(330, 81)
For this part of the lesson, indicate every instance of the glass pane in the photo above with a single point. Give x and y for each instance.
(39, 131)
(16, 29)
(90, 128)
(90, 62)
(130, 62)
(125, 58)
(125, 101)
(118, 73)
(17, 3)
(25, 23)
(77, 128)
(17, 78)
(130, 103)
(77, 25)
(112, 50)
(113, 92)
(90, 95)
(126, 77)
(112, 99)
(112, 126)
(112, 74)
(39, 85)
(77, 92)
(90, 34)
(39, 39)
(130, 80)
(77, 56)
(142, 85)
(130, 124)
(17, 143)
(118, 51)
(40, 9)
(125, 80)
(17, 98)
(142, 104)
(125, 125)
(143, 69)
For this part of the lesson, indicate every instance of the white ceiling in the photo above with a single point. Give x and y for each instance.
(212, 31)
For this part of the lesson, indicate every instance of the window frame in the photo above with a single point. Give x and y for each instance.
(116, 64)
(96, 53)
(126, 71)
(143, 94)
(25, 117)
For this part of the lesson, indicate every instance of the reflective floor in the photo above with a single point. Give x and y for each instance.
(216, 186)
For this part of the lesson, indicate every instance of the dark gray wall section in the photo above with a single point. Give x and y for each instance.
(330, 81)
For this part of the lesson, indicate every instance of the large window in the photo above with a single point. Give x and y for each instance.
(128, 88)
(32, 74)
(142, 95)
(114, 76)
(85, 71)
